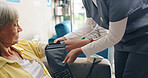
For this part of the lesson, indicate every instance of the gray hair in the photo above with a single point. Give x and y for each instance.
(8, 14)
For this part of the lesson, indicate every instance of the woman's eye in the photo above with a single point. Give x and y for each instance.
(15, 25)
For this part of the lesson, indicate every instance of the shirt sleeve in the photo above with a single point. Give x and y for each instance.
(115, 34)
(120, 9)
(32, 48)
(82, 31)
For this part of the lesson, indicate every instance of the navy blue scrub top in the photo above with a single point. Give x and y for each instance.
(135, 38)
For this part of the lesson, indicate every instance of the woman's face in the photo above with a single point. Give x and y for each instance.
(9, 34)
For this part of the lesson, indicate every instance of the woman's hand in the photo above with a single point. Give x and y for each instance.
(73, 44)
(72, 55)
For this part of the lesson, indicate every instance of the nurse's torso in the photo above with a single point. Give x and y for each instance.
(136, 34)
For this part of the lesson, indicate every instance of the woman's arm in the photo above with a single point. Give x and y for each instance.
(115, 34)
(94, 35)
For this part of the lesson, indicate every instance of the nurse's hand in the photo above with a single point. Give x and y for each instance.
(73, 44)
(60, 39)
(72, 55)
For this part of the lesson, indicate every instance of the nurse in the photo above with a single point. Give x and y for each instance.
(127, 22)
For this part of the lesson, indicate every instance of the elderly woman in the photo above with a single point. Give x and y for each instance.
(18, 58)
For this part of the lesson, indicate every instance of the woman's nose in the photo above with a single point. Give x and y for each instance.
(19, 28)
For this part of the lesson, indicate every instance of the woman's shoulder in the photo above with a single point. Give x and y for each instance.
(26, 42)
(29, 43)
(21, 40)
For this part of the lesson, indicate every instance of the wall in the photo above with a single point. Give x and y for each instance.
(35, 19)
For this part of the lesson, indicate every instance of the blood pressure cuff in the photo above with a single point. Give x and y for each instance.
(56, 53)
